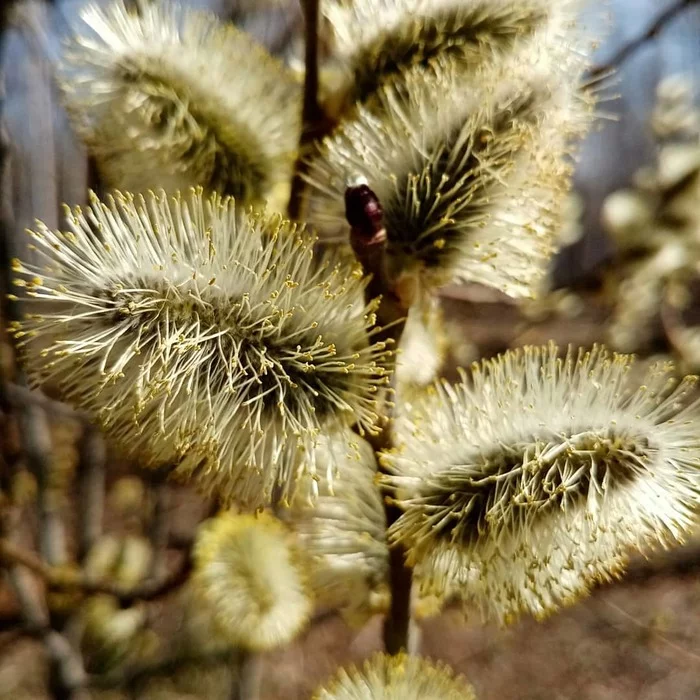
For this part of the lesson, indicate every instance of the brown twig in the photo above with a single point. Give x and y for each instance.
(368, 239)
(20, 396)
(247, 676)
(160, 524)
(67, 578)
(312, 117)
(91, 489)
(651, 32)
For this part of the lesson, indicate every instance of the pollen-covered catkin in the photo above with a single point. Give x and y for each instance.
(471, 176)
(202, 336)
(537, 475)
(168, 97)
(248, 572)
(342, 530)
(400, 677)
(382, 43)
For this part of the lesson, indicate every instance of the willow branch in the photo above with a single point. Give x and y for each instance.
(368, 239)
(160, 526)
(650, 33)
(311, 113)
(247, 676)
(19, 396)
(91, 489)
(67, 578)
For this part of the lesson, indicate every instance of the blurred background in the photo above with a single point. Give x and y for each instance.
(627, 274)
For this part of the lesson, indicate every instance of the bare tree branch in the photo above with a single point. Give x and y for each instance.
(67, 578)
(312, 116)
(91, 489)
(368, 239)
(651, 32)
(247, 676)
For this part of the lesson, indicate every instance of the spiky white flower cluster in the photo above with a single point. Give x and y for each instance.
(464, 114)
(168, 97)
(538, 474)
(343, 529)
(252, 579)
(399, 677)
(381, 42)
(201, 335)
(471, 180)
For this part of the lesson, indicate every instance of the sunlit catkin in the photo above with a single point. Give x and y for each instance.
(343, 530)
(399, 677)
(537, 475)
(202, 336)
(472, 176)
(382, 42)
(168, 97)
(249, 574)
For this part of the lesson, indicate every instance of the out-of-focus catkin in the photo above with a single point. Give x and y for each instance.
(165, 96)
(249, 573)
(343, 530)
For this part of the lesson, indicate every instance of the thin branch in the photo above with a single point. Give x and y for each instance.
(650, 33)
(131, 678)
(91, 489)
(20, 396)
(160, 526)
(68, 578)
(312, 117)
(247, 676)
(368, 239)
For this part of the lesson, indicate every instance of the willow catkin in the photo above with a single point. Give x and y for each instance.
(380, 43)
(472, 180)
(169, 97)
(251, 577)
(342, 530)
(400, 677)
(201, 335)
(536, 477)
(422, 349)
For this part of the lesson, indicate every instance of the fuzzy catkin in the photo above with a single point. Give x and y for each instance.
(168, 97)
(342, 529)
(536, 476)
(382, 42)
(472, 176)
(400, 677)
(202, 336)
(252, 578)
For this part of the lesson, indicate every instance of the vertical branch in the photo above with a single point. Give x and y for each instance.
(91, 489)
(368, 239)
(160, 524)
(67, 673)
(36, 441)
(248, 675)
(34, 425)
(311, 114)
